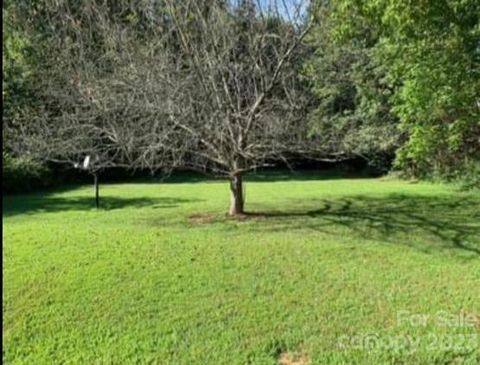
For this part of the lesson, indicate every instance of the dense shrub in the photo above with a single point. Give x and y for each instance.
(470, 175)
(22, 174)
(465, 175)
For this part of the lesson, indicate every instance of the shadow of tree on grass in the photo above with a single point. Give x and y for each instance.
(415, 220)
(44, 203)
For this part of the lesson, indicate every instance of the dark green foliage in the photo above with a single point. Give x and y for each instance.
(470, 178)
(22, 174)
(18, 68)
(467, 175)
(353, 109)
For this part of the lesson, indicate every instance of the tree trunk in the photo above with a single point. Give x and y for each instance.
(97, 195)
(236, 195)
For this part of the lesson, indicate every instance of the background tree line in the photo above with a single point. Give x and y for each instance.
(230, 86)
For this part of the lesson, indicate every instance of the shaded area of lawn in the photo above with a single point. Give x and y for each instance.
(45, 203)
(414, 220)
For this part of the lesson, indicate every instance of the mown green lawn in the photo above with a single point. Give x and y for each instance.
(329, 271)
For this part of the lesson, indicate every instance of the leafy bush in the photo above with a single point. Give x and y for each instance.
(23, 174)
(465, 174)
(470, 176)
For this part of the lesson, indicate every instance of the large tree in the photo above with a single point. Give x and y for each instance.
(206, 85)
(235, 98)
